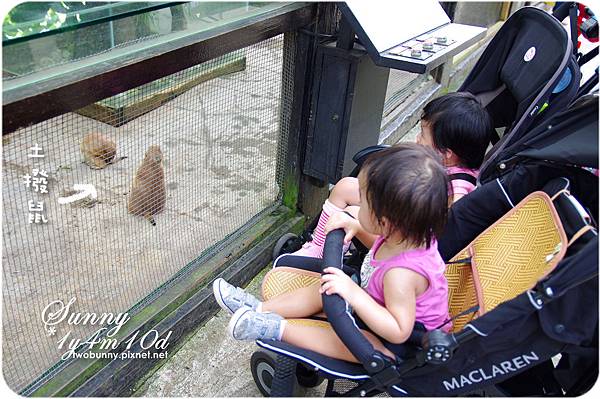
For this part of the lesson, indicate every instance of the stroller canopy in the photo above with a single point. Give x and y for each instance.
(526, 74)
(570, 137)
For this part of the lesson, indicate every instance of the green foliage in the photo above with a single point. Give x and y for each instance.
(34, 17)
(290, 192)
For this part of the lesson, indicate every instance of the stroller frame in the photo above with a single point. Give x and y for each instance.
(539, 161)
(576, 273)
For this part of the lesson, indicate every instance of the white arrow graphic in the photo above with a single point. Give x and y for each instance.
(86, 190)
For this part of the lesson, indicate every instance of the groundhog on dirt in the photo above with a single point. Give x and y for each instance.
(148, 194)
(98, 150)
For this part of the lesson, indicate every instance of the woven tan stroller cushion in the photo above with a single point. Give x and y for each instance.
(310, 323)
(461, 290)
(508, 258)
(285, 279)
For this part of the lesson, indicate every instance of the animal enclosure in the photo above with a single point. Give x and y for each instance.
(218, 142)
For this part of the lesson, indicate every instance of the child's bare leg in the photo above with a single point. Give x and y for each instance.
(345, 192)
(299, 303)
(326, 341)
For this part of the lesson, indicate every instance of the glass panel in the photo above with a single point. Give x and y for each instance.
(108, 40)
(31, 19)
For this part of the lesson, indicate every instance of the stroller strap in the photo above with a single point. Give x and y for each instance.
(463, 261)
(579, 233)
(464, 176)
(486, 97)
(472, 309)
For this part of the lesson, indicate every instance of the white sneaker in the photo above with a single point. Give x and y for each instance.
(232, 298)
(249, 325)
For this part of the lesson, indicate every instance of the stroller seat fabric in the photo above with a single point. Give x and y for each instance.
(287, 279)
(508, 258)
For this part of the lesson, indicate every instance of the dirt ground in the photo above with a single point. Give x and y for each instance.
(219, 144)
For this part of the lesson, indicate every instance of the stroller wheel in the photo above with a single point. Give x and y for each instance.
(286, 244)
(262, 364)
(306, 377)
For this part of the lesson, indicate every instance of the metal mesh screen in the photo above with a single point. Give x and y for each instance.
(400, 85)
(178, 164)
(287, 95)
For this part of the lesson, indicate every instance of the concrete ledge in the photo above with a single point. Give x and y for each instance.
(208, 364)
(120, 376)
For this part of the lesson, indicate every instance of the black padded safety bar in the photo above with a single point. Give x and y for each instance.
(339, 315)
(360, 157)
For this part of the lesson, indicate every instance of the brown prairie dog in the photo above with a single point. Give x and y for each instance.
(148, 192)
(98, 150)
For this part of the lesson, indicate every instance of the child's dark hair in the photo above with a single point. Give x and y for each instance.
(408, 185)
(460, 123)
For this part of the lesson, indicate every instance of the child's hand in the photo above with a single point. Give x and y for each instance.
(335, 281)
(341, 220)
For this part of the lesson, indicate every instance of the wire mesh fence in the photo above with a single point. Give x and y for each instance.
(177, 164)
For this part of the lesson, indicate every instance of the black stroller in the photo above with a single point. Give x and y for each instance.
(527, 73)
(522, 257)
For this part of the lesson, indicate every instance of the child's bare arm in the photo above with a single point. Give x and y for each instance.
(394, 322)
(352, 227)
(345, 192)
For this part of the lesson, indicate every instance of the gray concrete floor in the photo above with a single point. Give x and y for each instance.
(210, 363)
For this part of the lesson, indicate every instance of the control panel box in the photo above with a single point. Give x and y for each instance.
(410, 36)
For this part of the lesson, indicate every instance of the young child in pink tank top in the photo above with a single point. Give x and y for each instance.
(404, 203)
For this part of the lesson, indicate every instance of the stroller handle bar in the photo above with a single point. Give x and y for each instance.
(339, 313)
